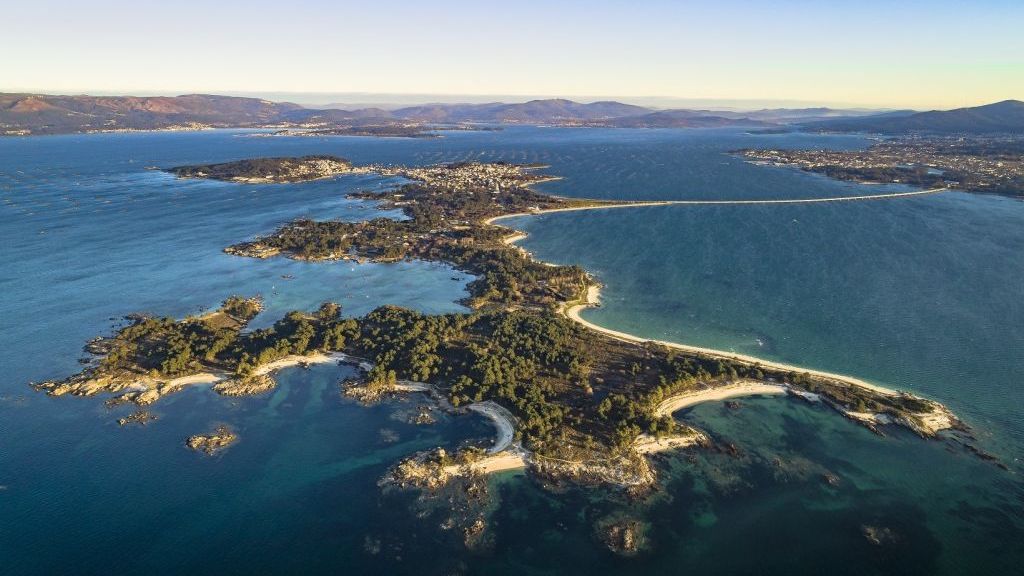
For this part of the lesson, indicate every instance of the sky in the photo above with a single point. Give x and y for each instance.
(909, 54)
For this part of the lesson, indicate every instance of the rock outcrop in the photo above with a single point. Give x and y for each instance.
(213, 442)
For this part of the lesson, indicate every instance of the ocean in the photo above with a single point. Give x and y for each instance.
(922, 294)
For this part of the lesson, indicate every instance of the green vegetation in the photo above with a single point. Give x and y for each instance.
(567, 385)
(571, 389)
(164, 347)
(168, 348)
(443, 225)
(242, 309)
(268, 169)
(574, 391)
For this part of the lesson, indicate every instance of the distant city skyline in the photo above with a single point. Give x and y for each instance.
(733, 54)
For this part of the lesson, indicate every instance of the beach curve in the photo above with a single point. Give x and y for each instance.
(593, 300)
(592, 295)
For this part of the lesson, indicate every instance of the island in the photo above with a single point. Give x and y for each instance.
(573, 402)
(269, 170)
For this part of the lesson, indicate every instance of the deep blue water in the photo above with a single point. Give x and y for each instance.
(923, 294)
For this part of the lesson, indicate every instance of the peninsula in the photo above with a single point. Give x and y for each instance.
(582, 399)
(572, 402)
(992, 164)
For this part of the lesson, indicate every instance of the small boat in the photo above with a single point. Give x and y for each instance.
(287, 276)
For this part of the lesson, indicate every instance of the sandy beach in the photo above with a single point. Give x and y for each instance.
(410, 386)
(593, 299)
(503, 454)
(502, 461)
(201, 378)
(647, 444)
(286, 362)
(502, 420)
(513, 238)
(929, 423)
(593, 291)
(295, 360)
(741, 388)
(507, 460)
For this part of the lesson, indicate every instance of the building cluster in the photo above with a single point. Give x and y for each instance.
(984, 163)
(462, 176)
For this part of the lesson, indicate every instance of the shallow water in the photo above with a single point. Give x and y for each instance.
(923, 294)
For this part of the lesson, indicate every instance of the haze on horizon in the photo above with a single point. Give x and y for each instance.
(939, 54)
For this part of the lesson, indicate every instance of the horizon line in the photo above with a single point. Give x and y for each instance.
(322, 98)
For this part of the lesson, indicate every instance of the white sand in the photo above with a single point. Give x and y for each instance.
(295, 360)
(513, 238)
(214, 377)
(508, 460)
(647, 444)
(201, 378)
(410, 386)
(502, 420)
(742, 388)
(593, 294)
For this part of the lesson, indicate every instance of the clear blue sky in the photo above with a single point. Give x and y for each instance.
(941, 53)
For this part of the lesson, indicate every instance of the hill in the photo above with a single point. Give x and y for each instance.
(532, 112)
(50, 114)
(681, 119)
(1006, 117)
(44, 114)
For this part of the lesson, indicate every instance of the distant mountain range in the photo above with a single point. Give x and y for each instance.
(46, 114)
(1006, 117)
(43, 114)
(532, 112)
(681, 119)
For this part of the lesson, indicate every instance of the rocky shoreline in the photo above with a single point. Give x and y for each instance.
(269, 170)
(212, 442)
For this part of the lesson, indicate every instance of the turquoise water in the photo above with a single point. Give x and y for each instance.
(922, 294)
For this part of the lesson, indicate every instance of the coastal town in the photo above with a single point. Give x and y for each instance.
(466, 177)
(986, 165)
